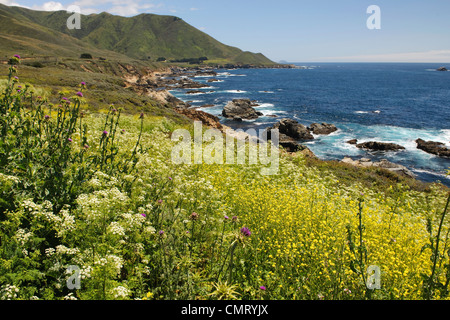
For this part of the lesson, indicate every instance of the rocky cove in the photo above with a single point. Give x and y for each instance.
(293, 134)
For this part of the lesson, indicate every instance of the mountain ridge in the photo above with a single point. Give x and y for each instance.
(143, 37)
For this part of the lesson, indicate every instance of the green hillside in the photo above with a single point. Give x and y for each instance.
(144, 37)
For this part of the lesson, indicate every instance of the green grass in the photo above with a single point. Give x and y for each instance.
(144, 37)
(101, 192)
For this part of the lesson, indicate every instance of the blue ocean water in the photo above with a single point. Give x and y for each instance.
(386, 102)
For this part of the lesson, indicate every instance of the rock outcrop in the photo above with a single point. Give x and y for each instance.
(324, 128)
(240, 109)
(207, 119)
(436, 148)
(384, 164)
(442, 69)
(380, 146)
(293, 129)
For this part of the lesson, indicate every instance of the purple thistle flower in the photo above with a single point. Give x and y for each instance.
(160, 201)
(141, 115)
(16, 77)
(17, 56)
(144, 215)
(79, 94)
(70, 140)
(83, 83)
(194, 216)
(18, 90)
(263, 288)
(227, 217)
(47, 117)
(161, 233)
(105, 133)
(246, 232)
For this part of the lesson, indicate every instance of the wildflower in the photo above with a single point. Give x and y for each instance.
(194, 216)
(105, 133)
(144, 215)
(80, 94)
(161, 233)
(83, 83)
(17, 56)
(263, 288)
(160, 201)
(246, 232)
(149, 295)
(170, 178)
(46, 117)
(69, 139)
(86, 146)
(141, 115)
(234, 219)
(227, 217)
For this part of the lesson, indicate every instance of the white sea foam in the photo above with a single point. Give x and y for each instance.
(442, 175)
(204, 76)
(235, 91)
(265, 105)
(266, 92)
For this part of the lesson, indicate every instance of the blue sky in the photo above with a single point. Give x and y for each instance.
(301, 30)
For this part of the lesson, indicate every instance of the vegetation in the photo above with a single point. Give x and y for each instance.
(98, 194)
(106, 35)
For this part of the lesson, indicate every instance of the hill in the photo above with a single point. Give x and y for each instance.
(144, 37)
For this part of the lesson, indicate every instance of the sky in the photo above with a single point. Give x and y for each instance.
(301, 30)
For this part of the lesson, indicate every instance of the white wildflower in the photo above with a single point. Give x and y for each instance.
(120, 292)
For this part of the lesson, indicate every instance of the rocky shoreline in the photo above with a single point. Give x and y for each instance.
(158, 84)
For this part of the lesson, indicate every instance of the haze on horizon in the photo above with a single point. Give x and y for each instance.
(300, 30)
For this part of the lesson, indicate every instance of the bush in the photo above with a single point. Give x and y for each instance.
(85, 56)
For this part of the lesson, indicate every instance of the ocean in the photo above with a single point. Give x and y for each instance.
(386, 102)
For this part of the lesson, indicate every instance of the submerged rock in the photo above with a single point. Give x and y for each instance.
(380, 146)
(240, 108)
(436, 148)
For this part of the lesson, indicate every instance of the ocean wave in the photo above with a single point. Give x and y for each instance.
(367, 112)
(438, 174)
(266, 92)
(235, 91)
(204, 76)
(265, 105)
